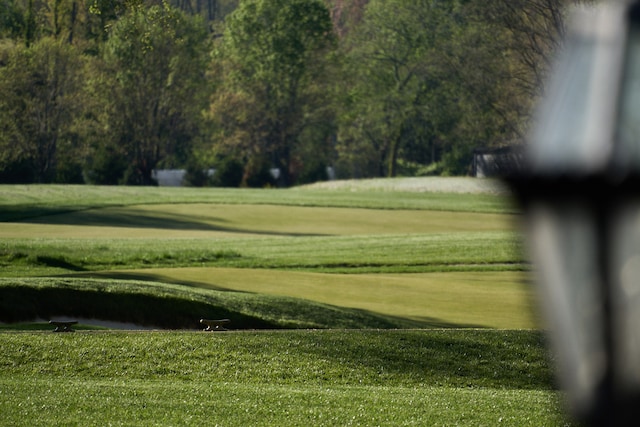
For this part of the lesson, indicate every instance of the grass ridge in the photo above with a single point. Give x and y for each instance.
(178, 307)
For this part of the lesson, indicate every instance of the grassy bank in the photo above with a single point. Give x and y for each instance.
(175, 307)
(56, 229)
(391, 378)
(275, 299)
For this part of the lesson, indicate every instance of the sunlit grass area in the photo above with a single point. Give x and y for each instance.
(363, 303)
(306, 243)
(168, 306)
(483, 251)
(268, 298)
(217, 221)
(29, 201)
(293, 378)
(433, 267)
(480, 299)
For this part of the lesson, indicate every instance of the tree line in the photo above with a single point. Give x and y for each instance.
(106, 91)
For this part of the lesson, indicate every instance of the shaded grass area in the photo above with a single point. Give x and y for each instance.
(391, 378)
(45, 326)
(179, 307)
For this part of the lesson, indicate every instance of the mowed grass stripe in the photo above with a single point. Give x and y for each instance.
(361, 253)
(218, 221)
(480, 299)
(30, 201)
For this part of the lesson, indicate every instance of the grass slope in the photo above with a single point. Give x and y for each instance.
(245, 238)
(293, 378)
(178, 307)
(487, 299)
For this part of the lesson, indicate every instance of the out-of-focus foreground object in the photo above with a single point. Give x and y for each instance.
(580, 192)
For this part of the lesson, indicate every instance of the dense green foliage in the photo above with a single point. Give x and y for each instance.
(273, 54)
(39, 90)
(106, 91)
(423, 79)
(152, 90)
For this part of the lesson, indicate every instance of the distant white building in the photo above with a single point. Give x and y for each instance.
(173, 177)
(169, 177)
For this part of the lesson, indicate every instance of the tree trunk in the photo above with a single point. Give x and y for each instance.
(392, 165)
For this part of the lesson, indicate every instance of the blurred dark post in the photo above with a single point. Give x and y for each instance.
(580, 192)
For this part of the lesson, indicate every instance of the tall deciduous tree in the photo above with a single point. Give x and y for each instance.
(429, 84)
(12, 19)
(394, 67)
(40, 88)
(154, 88)
(536, 28)
(273, 53)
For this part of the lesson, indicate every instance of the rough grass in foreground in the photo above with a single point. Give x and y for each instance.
(449, 358)
(391, 378)
(184, 403)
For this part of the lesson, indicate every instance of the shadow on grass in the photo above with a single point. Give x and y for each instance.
(56, 262)
(29, 212)
(462, 358)
(162, 306)
(358, 318)
(23, 303)
(131, 218)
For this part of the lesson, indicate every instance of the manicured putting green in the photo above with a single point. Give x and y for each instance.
(483, 299)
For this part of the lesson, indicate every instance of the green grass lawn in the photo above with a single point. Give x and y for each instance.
(28, 201)
(375, 264)
(199, 220)
(481, 299)
(276, 299)
(292, 378)
(411, 263)
(493, 251)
